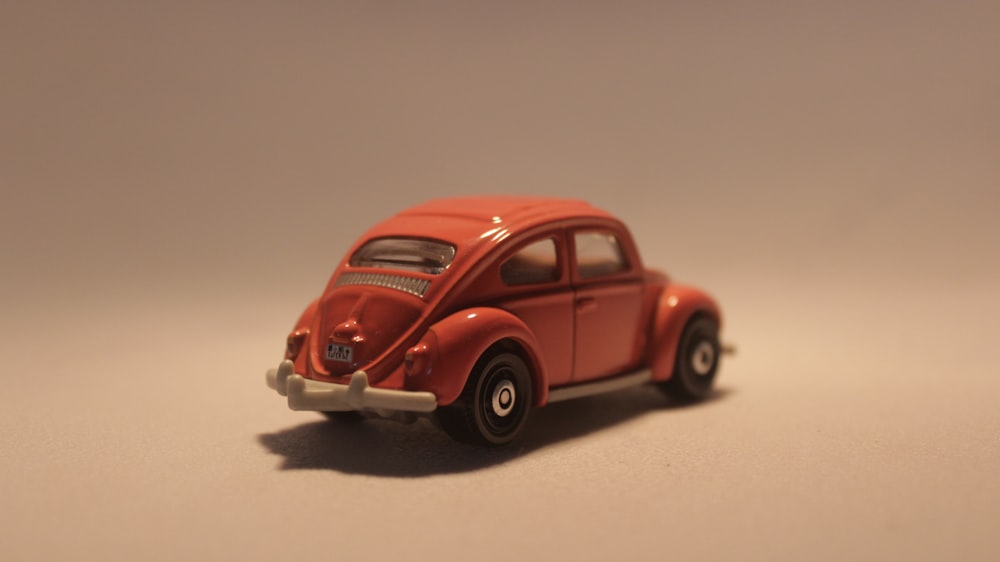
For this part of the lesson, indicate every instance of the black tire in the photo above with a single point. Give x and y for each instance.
(495, 403)
(696, 363)
(346, 416)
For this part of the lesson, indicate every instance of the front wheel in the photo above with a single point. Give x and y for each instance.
(495, 403)
(697, 361)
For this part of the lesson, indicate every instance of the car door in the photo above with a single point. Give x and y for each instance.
(608, 295)
(535, 277)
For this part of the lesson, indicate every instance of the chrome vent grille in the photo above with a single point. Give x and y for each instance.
(403, 283)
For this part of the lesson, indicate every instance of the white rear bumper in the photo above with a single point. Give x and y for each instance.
(307, 394)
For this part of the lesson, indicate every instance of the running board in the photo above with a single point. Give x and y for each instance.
(600, 387)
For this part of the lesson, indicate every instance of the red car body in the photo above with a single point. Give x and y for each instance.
(425, 300)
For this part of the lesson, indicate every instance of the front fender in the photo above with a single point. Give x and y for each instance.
(675, 308)
(444, 358)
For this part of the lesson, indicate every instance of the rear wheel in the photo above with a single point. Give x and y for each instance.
(697, 361)
(495, 403)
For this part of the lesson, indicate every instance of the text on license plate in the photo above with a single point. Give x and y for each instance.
(336, 352)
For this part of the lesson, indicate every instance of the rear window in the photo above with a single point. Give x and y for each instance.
(407, 254)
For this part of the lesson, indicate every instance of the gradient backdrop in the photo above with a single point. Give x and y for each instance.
(178, 180)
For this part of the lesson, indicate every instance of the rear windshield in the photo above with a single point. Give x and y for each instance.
(408, 254)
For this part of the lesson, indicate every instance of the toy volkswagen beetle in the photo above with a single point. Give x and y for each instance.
(479, 309)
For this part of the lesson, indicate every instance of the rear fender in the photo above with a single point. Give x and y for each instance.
(298, 338)
(443, 359)
(676, 307)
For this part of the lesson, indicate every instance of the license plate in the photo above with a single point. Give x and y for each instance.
(336, 352)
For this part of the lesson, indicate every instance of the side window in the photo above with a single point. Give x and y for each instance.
(535, 263)
(598, 254)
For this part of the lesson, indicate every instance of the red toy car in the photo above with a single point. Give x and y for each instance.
(480, 309)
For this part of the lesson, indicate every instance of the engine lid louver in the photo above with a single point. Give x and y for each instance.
(412, 285)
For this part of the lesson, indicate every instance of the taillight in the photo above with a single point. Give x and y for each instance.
(294, 344)
(417, 360)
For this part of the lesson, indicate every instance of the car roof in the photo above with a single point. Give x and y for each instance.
(477, 225)
(507, 209)
(471, 217)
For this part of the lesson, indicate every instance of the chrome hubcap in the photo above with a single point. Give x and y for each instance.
(703, 358)
(503, 398)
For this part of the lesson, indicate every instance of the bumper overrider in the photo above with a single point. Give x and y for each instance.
(307, 394)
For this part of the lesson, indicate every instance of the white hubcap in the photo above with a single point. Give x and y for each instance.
(703, 358)
(503, 398)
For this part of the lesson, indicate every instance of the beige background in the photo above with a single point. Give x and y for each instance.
(178, 180)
